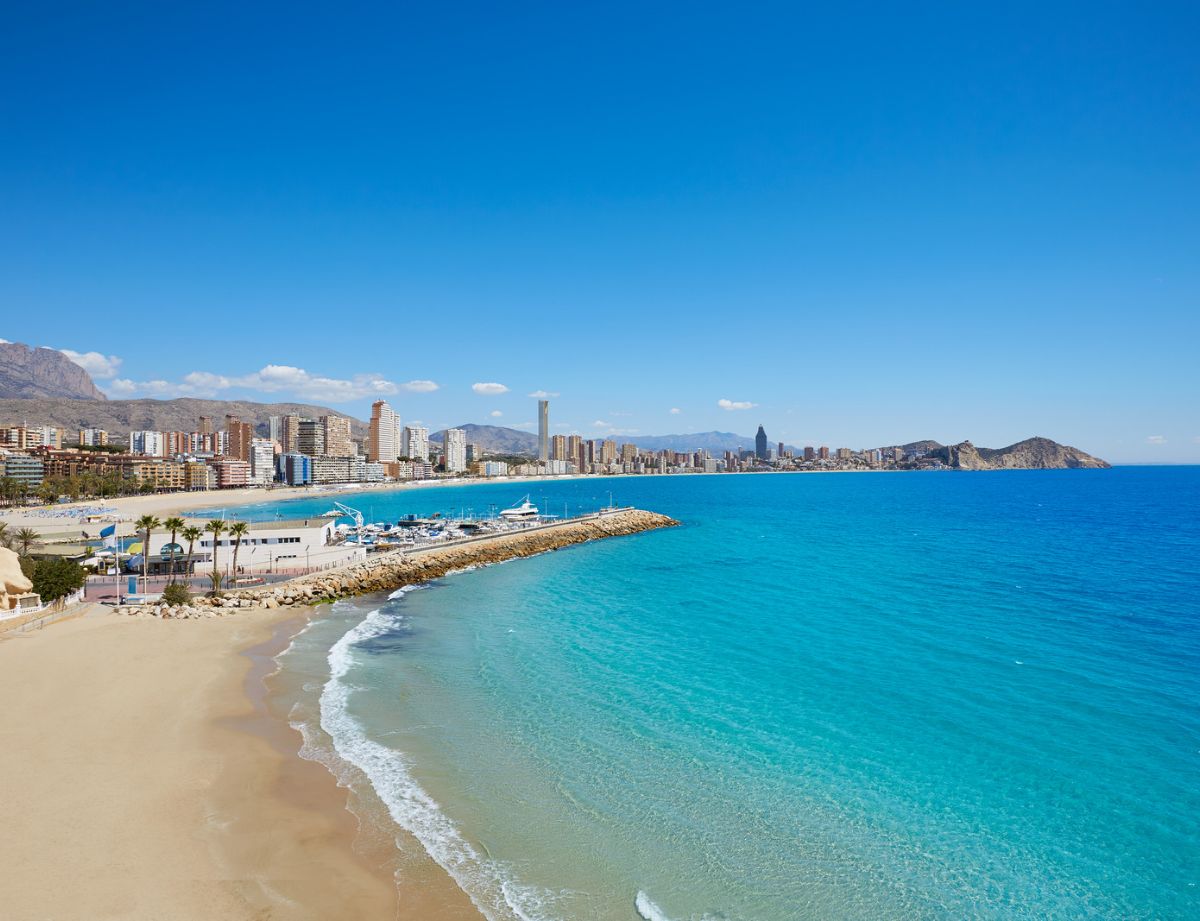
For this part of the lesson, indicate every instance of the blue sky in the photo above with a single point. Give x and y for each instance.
(872, 224)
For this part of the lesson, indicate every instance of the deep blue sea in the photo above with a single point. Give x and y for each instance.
(838, 696)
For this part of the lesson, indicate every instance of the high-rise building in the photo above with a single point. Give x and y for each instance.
(628, 453)
(543, 430)
(416, 442)
(150, 444)
(576, 452)
(558, 447)
(823, 452)
(92, 438)
(311, 437)
(608, 451)
(456, 450)
(760, 444)
(810, 453)
(383, 442)
(289, 434)
(205, 427)
(474, 452)
(262, 461)
(240, 435)
(275, 429)
(338, 442)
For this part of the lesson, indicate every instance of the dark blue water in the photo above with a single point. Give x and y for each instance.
(939, 695)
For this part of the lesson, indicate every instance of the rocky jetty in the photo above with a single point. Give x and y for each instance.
(390, 571)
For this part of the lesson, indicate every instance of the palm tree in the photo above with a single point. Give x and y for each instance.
(25, 540)
(174, 525)
(237, 531)
(146, 524)
(5, 537)
(217, 527)
(191, 534)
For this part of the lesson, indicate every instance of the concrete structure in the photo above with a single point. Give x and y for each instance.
(148, 444)
(239, 435)
(295, 469)
(231, 472)
(311, 439)
(456, 450)
(338, 442)
(494, 468)
(543, 430)
(289, 434)
(416, 443)
(92, 438)
(23, 468)
(262, 461)
(383, 439)
(298, 544)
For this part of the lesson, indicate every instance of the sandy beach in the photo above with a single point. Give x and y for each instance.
(65, 517)
(144, 777)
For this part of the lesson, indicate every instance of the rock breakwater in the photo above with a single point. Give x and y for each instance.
(390, 571)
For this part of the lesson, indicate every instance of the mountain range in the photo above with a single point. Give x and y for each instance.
(119, 417)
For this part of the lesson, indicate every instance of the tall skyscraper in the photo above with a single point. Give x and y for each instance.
(543, 430)
(456, 450)
(760, 444)
(240, 435)
(338, 442)
(383, 442)
(558, 447)
(289, 434)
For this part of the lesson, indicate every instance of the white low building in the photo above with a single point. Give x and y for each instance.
(269, 546)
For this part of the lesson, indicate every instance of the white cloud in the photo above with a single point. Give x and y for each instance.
(1156, 439)
(675, 410)
(4, 342)
(730, 405)
(524, 425)
(102, 367)
(542, 394)
(487, 390)
(610, 429)
(420, 386)
(269, 379)
(495, 414)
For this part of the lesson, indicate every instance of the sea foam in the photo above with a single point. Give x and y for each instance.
(488, 883)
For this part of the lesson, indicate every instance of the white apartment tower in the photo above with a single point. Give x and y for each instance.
(456, 450)
(416, 442)
(383, 443)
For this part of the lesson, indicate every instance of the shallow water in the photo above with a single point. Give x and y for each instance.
(844, 696)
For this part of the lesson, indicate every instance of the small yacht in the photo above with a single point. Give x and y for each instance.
(522, 511)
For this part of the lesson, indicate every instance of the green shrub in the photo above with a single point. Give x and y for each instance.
(176, 593)
(54, 579)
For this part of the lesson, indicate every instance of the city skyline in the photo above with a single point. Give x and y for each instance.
(987, 234)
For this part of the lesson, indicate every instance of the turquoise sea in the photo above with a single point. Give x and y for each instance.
(915, 695)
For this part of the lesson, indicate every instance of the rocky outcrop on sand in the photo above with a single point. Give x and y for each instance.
(390, 571)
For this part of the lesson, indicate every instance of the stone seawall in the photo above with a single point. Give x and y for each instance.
(390, 571)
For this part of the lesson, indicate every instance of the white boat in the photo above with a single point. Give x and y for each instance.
(522, 511)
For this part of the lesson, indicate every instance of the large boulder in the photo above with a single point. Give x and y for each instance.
(12, 581)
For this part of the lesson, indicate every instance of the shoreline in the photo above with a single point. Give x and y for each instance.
(149, 779)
